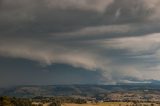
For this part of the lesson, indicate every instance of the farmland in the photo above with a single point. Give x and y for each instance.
(113, 104)
(84, 95)
(101, 104)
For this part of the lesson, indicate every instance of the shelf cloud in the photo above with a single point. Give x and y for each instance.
(117, 38)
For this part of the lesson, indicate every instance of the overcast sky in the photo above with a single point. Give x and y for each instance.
(79, 41)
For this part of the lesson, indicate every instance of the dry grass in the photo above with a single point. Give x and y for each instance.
(101, 104)
(105, 104)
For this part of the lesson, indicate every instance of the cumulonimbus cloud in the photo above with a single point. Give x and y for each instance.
(49, 53)
(44, 31)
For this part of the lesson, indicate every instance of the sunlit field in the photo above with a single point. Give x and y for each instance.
(112, 104)
(101, 104)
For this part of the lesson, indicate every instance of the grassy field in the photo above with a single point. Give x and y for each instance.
(101, 104)
(110, 104)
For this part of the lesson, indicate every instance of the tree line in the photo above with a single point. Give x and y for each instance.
(54, 101)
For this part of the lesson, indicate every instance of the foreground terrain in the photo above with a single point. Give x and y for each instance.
(105, 93)
(114, 104)
(67, 101)
(82, 95)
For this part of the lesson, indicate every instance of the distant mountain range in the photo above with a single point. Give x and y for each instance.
(70, 90)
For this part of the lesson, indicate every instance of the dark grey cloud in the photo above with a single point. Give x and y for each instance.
(25, 72)
(117, 38)
(55, 16)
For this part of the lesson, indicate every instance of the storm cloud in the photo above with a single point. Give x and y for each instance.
(120, 39)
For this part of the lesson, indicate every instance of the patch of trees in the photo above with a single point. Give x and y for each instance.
(7, 101)
(55, 101)
(60, 99)
(70, 100)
